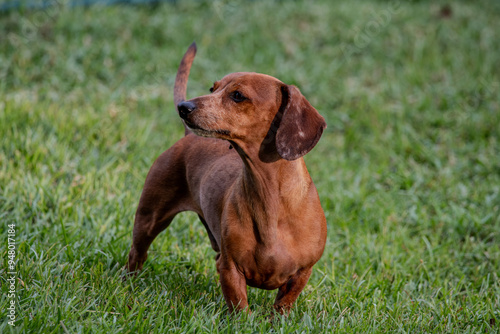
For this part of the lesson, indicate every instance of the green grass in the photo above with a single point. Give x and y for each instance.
(408, 170)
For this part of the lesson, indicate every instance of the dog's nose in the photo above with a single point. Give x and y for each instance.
(185, 108)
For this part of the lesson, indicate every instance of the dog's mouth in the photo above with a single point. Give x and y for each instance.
(206, 133)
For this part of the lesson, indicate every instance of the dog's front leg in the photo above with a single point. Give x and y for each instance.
(233, 285)
(290, 291)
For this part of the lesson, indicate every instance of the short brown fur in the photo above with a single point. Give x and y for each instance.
(257, 201)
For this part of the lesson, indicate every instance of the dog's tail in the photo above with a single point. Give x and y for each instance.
(182, 77)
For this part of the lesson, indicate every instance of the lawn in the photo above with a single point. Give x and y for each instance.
(408, 170)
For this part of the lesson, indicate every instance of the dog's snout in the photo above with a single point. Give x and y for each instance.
(185, 108)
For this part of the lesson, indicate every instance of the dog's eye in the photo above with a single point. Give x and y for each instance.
(237, 96)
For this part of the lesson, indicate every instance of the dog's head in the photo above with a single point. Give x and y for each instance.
(256, 110)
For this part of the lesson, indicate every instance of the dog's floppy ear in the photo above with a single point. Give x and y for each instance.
(301, 125)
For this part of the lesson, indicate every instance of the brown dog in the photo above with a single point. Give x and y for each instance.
(257, 201)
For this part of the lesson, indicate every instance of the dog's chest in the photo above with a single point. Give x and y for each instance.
(267, 267)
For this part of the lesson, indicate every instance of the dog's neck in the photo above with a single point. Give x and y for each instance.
(271, 189)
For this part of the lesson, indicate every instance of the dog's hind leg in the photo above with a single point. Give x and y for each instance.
(146, 229)
(165, 194)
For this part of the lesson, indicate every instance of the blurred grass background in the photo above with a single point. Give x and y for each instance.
(408, 170)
